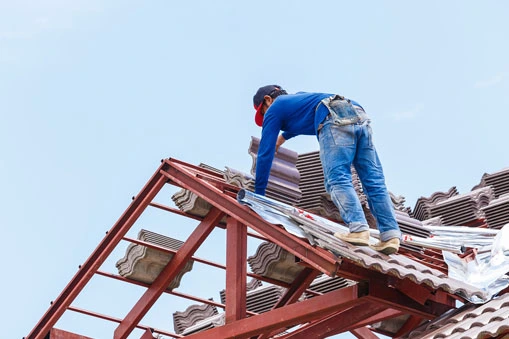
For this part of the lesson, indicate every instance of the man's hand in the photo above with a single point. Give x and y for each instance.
(280, 141)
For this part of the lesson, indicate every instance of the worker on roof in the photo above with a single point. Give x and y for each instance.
(345, 137)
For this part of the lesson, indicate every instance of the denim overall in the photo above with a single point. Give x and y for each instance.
(345, 138)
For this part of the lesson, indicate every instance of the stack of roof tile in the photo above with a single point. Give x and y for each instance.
(251, 285)
(422, 209)
(205, 324)
(435, 221)
(398, 202)
(200, 317)
(314, 197)
(210, 168)
(238, 178)
(247, 181)
(484, 206)
(144, 264)
(261, 299)
(311, 180)
(192, 315)
(272, 261)
(197, 318)
(497, 212)
(451, 208)
(190, 203)
(468, 322)
(284, 177)
(325, 284)
(411, 226)
(499, 180)
(464, 208)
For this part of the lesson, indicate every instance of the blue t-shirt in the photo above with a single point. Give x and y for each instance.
(294, 114)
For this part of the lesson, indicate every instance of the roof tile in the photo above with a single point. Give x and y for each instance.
(469, 321)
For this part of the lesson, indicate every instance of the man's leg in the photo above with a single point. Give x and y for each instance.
(370, 173)
(337, 151)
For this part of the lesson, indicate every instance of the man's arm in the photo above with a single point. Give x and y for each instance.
(280, 140)
(266, 150)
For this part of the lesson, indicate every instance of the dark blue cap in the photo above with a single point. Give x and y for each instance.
(258, 100)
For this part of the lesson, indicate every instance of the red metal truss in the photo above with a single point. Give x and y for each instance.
(60, 334)
(236, 268)
(342, 321)
(289, 315)
(375, 298)
(168, 274)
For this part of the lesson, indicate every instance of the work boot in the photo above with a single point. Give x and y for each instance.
(358, 238)
(387, 247)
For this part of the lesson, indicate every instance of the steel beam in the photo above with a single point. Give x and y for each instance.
(117, 320)
(369, 320)
(192, 297)
(338, 322)
(411, 323)
(292, 295)
(298, 287)
(168, 291)
(147, 334)
(196, 168)
(56, 333)
(236, 268)
(383, 315)
(318, 258)
(196, 217)
(394, 299)
(200, 260)
(364, 333)
(99, 255)
(406, 295)
(297, 313)
(418, 293)
(175, 265)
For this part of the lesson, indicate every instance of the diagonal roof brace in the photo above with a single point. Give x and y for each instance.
(304, 311)
(185, 177)
(159, 285)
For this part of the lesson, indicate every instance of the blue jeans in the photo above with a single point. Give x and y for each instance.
(340, 147)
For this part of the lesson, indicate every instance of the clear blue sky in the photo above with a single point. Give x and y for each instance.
(94, 93)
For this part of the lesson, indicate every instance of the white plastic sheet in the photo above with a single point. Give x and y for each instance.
(486, 270)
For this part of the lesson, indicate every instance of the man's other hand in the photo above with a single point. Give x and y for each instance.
(279, 142)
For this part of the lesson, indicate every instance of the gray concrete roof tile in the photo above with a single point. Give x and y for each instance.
(142, 263)
(469, 321)
(396, 265)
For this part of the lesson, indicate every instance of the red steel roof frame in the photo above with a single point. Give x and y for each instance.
(375, 298)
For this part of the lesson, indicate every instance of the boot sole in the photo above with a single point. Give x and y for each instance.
(357, 242)
(387, 250)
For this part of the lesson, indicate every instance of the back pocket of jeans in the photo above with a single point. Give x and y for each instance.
(343, 135)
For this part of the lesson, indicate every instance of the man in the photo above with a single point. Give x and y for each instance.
(345, 137)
